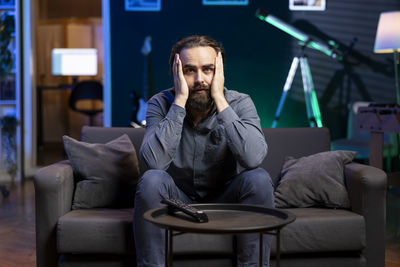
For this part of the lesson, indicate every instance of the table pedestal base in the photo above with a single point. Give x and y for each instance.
(169, 247)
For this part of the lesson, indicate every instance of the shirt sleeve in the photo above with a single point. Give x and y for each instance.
(163, 134)
(243, 132)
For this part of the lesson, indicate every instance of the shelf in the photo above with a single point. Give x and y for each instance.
(8, 102)
(7, 7)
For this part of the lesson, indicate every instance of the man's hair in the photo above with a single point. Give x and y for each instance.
(194, 41)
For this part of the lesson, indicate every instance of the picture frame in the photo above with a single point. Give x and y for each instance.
(308, 5)
(225, 2)
(142, 5)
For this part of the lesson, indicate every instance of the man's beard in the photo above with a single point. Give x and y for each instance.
(199, 102)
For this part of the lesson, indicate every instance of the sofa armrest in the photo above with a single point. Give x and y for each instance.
(367, 193)
(54, 187)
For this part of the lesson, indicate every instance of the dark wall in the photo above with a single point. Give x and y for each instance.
(258, 55)
(253, 56)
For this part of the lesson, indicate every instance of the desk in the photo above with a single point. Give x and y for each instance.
(223, 219)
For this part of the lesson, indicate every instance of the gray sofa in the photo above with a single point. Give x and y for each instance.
(319, 236)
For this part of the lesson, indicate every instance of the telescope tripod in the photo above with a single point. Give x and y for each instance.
(313, 112)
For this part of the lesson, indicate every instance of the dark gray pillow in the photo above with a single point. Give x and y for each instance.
(108, 172)
(316, 180)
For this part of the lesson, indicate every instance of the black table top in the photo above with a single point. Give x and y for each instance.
(223, 219)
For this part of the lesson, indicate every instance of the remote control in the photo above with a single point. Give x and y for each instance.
(175, 204)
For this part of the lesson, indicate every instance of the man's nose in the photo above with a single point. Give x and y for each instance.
(199, 76)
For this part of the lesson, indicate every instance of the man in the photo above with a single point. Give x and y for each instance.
(203, 143)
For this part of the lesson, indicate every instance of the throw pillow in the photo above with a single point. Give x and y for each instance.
(316, 180)
(108, 172)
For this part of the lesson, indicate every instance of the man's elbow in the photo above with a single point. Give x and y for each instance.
(256, 158)
(152, 163)
(252, 164)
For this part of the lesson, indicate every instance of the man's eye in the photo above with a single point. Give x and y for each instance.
(187, 71)
(208, 70)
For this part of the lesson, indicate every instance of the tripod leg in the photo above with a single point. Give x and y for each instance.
(313, 112)
(307, 89)
(286, 88)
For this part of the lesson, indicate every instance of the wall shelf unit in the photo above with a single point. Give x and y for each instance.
(8, 88)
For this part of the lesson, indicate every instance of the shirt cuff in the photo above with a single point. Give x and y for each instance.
(227, 116)
(176, 113)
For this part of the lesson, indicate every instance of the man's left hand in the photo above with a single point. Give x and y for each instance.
(217, 85)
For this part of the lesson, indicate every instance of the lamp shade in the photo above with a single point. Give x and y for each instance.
(388, 33)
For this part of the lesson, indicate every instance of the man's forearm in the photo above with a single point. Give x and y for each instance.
(245, 137)
(162, 138)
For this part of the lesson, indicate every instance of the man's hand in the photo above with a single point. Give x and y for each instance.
(180, 85)
(217, 85)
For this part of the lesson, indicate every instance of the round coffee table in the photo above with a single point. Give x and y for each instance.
(222, 219)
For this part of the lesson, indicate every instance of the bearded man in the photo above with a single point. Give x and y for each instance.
(203, 144)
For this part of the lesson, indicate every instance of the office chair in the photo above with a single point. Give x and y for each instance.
(87, 98)
(4, 191)
(358, 140)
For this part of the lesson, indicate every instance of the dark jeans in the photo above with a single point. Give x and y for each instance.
(249, 187)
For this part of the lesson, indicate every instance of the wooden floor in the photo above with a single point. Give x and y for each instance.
(17, 227)
(393, 222)
(393, 254)
(17, 222)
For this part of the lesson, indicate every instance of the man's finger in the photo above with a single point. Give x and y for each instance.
(176, 64)
(220, 64)
(180, 71)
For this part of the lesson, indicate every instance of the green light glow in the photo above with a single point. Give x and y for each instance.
(260, 16)
(324, 50)
(319, 48)
(332, 43)
(315, 108)
(285, 29)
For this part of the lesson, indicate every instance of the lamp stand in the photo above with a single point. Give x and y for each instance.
(396, 74)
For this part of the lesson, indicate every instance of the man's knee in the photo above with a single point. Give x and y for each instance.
(259, 184)
(258, 178)
(153, 181)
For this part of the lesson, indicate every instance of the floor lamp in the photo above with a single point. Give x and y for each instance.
(388, 41)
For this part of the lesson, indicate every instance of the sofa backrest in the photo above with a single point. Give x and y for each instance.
(294, 142)
(282, 142)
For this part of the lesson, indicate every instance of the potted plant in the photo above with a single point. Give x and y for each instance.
(9, 126)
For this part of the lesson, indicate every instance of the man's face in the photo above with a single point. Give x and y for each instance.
(198, 65)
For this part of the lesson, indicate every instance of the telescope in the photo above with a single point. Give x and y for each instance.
(305, 40)
(310, 95)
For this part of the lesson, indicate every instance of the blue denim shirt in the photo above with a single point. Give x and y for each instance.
(202, 159)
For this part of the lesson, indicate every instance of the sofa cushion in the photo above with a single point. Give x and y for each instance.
(96, 231)
(109, 171)
(322, 230)
(109, 231)
(315, 180)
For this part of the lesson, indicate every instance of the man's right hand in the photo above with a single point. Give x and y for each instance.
(180, 85)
